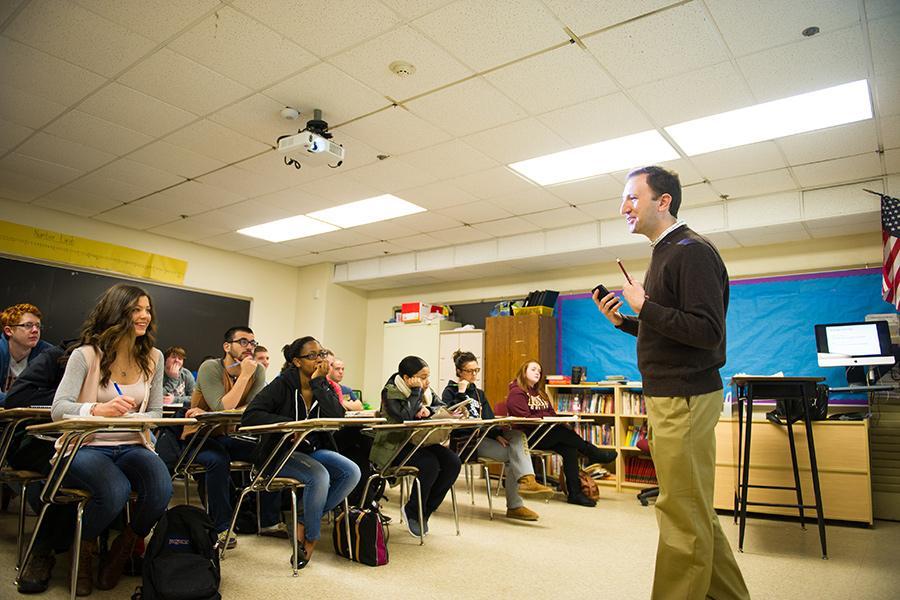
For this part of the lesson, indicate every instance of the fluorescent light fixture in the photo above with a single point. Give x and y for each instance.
(621, 153)
(370, 210)
(290, 228)
(832, 106)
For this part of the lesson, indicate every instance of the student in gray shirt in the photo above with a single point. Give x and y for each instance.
(178, 382)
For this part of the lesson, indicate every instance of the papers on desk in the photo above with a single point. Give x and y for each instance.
(742, 374)
(360, 413)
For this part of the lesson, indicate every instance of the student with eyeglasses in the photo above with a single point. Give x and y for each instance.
(228, 383)
(507, 445)
(300, 392)
(20, 343)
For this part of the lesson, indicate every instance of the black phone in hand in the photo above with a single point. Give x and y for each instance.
(602, 289)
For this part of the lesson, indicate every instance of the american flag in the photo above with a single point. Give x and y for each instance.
(890, 236)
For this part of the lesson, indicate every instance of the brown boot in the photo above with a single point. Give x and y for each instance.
(114, 562)
(528, 486)
(84, 584)
(522, 513)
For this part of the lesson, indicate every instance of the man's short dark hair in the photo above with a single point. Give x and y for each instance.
(662, 181)
(259, 349)
(229, 335)
(175, 351)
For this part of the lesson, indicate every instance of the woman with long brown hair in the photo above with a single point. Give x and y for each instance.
(528, 398)
(115, 372)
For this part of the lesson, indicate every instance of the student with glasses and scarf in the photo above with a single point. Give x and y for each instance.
(229, 383)
(302, 391)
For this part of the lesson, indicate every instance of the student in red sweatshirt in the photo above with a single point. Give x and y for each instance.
(528, 398)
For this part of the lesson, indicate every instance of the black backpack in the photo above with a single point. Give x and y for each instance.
(181, 561)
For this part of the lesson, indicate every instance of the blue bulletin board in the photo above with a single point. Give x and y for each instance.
(769, 326)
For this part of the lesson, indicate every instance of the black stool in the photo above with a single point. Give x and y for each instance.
(787, 390)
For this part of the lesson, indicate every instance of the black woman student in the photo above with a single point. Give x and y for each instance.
(302, 391)
(506, 445)
(406, 396)
(115, 372)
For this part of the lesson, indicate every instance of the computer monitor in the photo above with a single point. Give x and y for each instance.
(850, 344)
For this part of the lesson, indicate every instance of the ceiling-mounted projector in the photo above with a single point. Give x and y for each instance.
(311, 145)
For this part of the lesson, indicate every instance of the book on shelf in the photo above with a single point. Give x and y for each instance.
(640, 469)
(633, 403)
(634, 434)
(558, 379)
(602, 434)
(595, 403)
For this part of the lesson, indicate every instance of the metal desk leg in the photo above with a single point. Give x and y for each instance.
(740, 407)
(814, 472)
(745, 470)
(455, 510)
(295, 543)
(487, 485)
(790, 432)
(418, 485)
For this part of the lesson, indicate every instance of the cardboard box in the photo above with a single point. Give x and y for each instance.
(413, 312)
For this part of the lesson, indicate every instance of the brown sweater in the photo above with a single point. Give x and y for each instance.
(681, 328)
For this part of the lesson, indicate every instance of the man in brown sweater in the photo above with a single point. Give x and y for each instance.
(680, 328)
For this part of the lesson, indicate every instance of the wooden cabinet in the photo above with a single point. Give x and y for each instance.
(467, 340)
(509, 342)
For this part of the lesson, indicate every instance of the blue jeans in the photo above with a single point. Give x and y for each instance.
(216, 455)
(110, 474)
(328, 478)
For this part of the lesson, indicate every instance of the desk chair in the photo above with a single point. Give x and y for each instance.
(646, 494)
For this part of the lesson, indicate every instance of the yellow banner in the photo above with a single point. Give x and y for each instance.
(74, 250)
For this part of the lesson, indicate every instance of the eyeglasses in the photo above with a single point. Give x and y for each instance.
(475, 371)
(314, 355)
(29, 326)
(244, 342)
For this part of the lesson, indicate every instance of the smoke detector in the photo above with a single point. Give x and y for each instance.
(290, 113)
(401, 68)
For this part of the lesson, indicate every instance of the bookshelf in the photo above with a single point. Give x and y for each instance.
(618, 418)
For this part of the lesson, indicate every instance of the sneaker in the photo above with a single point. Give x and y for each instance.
(229, 544)
(528, 486)
(279, 530)
(581, 500)
(36, 576)
(522, 514)
(412, 525)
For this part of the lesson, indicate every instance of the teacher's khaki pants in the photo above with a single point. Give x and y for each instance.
(693, 558)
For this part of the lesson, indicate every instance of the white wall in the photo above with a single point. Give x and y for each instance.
(811, 255)
(271, 286)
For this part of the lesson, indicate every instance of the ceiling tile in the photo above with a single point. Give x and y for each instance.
(187, 230)
(585, 191)
(356, 152)
(337, 24)
(426, 222)
(603, 209)
(242, 182)
(135, 110)
(75, 202)
(698, 194)
(876, 9)
(842, 201)
(78, 126)
(449, 159)
(136, 217)
(178, 80)
(551, 80)
(64, 152)
(26, 109)
(112, 189)
(887, 94)
(323, 86)
(23, 188)
(752, 158)
(766, 210)
(410, 9)
(508, 226)
(158, 20)
(257, 117)
(330, 241)
(815, 63)
(493, 182)
(9, 7)
(383, 230)
(707, 91)
(233, 242)
(839, 170)
(593, 121)
(585, 17)
(175, 159)
(369, 63)
(12, 135)
(460, 235)
(213, 140)
(360, 252)
(475, 212)
(189, 198)
(517, 141)
(295, 201)
(892, 161)
(395, 131)
(757, 184)
(530, 201)
(466, 107)
(271, 164)
(40, 170)
(840, 227)
(559, 217)
(890, 132)
(243, 214)
(884, 37)
(389, 175)
(38, 73)
(771, 234)
(302, 260)
(270, 251)
(340, 190)
(145, 177)
(487, 34)
(61, 28)
(437, 195)
(419, 242)
(233, 44)
(657, 46)
(749, 26)
(835, 142)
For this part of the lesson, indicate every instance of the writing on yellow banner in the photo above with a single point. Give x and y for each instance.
(73, 250)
